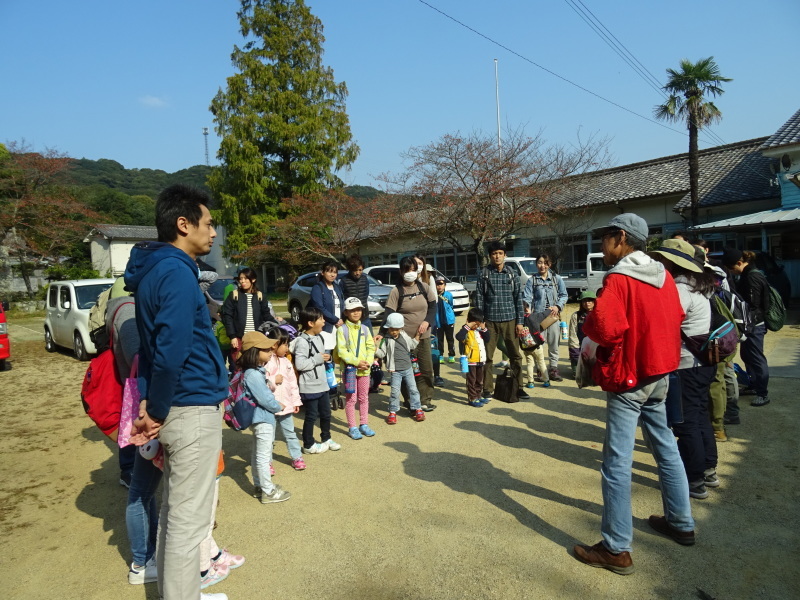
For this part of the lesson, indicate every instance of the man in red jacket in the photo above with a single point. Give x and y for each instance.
(636, 323)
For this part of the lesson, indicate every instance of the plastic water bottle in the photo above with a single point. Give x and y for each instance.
(350, 379)
(464, 364)
(564, 331)
(330, 374)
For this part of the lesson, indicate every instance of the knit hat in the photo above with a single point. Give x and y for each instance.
(256, 339)
(352, 303)
(730, 256)
(681, 253)
(634, 225)
(395, 321)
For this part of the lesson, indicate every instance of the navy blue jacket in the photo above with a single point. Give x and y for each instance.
(180, 363)
(322, 298)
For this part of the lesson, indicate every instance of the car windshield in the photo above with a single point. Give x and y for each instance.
(529, 266)
(86, 295)
(217, 288)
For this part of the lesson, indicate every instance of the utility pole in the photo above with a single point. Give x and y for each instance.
(205, 134)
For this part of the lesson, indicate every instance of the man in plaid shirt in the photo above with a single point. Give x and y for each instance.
(499, 295)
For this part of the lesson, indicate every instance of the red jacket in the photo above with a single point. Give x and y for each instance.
(637, 324)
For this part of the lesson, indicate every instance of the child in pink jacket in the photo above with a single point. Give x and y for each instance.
(280, 373)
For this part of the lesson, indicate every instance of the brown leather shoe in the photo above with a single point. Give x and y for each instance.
(601, 557)
(662, 526)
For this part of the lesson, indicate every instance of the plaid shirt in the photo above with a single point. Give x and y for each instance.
(499, 296)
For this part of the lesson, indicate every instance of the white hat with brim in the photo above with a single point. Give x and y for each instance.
(352, 303)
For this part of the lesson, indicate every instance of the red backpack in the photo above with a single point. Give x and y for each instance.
(101, 393)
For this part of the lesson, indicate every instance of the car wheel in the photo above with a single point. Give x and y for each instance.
(79, 348)
(294, 312)
(2, 365)
(49, 345)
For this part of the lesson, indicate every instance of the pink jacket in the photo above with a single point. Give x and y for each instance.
(288, 393)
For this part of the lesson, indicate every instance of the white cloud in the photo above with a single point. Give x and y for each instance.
(152, 102)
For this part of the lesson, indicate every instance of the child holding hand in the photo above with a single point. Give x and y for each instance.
(256, 352)
(472, 340)
(356, 349)
(395, 349)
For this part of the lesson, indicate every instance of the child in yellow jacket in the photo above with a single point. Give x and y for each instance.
(356, 349)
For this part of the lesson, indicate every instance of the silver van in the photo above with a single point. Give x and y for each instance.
(67, 321)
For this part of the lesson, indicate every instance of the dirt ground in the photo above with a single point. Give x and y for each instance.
(472, 503)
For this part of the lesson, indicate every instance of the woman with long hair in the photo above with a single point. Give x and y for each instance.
(696, 442)
(245, 309)
(752, 286)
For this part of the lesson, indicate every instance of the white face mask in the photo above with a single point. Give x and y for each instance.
(410, 277)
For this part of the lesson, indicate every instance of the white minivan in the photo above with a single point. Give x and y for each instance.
(67, 321)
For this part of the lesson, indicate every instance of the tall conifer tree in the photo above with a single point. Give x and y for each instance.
(282, 119)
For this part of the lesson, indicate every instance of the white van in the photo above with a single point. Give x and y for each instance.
(67, 321)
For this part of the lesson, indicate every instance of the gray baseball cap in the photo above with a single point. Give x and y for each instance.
(632, 224)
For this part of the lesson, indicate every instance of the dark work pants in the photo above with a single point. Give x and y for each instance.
(316, 406)
(696, 442)
(752, 353)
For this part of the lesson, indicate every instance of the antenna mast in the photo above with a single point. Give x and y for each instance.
(205, 134)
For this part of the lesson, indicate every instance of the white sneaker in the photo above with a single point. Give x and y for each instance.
(333, 445)
(146, 574)
(213, 596)
(502, 364)
(317, 448)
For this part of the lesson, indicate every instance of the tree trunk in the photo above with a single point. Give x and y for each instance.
(694, 172)
(23, 271)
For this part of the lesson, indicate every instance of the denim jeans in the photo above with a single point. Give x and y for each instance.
(126, 458)
(286, 427)
(646, 404)
(141, 514)
(696, 442)
(398, 378)
(192, 438)
(263, 439)
(752, 353)
(316, 406)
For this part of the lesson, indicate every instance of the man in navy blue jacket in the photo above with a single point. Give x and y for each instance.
(182, 380)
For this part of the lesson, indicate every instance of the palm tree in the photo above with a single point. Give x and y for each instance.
(688, 89)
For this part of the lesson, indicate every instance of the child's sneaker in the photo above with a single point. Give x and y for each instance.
(225, 558)
(392, 418)
(476, 403)
(317, 448)
(355, 433)
(419, 415)
(486, 400)
(546, 384)
(366, 430)
(333, 445)
(144, 574)
(298, 464)
(271, 469)
(531, 386)
(452, 359)
(278, 495)
(214, 575)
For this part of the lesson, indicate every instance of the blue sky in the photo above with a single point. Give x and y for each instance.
(132, 82)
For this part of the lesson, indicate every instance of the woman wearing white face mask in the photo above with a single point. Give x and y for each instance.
(416, 301)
